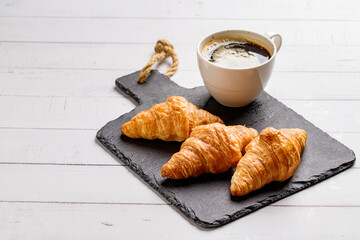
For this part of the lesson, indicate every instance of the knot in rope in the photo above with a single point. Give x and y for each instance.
(164, 46)
(163, 49)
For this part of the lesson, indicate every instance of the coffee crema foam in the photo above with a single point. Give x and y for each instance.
(233, 53)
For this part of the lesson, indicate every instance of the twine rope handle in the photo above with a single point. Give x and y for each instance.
(163, 49)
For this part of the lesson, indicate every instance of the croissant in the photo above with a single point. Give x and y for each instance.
(172, 120)
(212, 148)
(273, 156)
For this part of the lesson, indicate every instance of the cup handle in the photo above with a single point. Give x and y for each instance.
(276, 38)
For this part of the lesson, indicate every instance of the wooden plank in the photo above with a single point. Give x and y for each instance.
(331, 9)
(116, 184)
(61, 112)
(59, 82)
(73, 221)
(78, 147)
(102, 184)
(36, 146)
(94, 112)
(100, 83)
(106, 30)
(134, 56)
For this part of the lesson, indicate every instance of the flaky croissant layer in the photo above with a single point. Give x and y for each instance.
(273, 156)
(172, 120)
(212, 148)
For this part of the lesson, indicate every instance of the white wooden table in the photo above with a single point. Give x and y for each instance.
(58, 63)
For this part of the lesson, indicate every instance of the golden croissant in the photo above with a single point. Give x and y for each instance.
(172, 120)
(212, 148)
(273, 156)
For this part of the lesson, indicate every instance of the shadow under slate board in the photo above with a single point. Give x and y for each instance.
(206, 200)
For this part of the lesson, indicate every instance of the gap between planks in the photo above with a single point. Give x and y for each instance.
(186, 18)
(96, 129)
(75, 96)
(9, 69)
(135, 43)
(81, 164)
(164, 204)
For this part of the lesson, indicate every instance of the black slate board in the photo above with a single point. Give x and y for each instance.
(206, 200)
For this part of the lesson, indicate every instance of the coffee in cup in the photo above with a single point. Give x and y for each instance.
(234, 52)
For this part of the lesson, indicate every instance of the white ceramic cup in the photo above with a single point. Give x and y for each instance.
(237, 87)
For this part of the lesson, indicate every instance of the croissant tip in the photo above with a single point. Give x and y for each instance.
(234, 191)
(165, 172)
(123, 130)
(126, 129)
